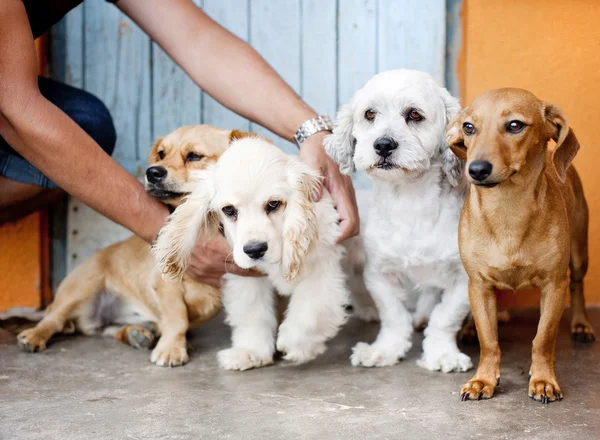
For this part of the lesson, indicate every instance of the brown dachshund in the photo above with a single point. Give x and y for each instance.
(523, 225)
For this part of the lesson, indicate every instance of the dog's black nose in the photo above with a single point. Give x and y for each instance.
(256, 250)
(156, 174)
(385, 146)
(480, 170)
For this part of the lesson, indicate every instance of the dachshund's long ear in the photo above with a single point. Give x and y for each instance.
(340, 145)
(567, 144)
(452, 166)
(175, 242)
(300, 227)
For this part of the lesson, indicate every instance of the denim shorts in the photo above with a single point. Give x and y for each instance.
(82, 107)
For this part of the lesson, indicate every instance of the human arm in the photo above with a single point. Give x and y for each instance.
(215, 59)
(53, 143)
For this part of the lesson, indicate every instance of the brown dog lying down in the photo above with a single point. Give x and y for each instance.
(120, 287)
(523, 225)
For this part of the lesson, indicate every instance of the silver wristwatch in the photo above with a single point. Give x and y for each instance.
(312, 126)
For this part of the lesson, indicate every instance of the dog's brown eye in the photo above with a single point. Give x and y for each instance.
(229, 211)
(414, 115)
(161, 154)
(370, 114)
(272, 206)
(515, 126)
(192, 157)
(468, 128)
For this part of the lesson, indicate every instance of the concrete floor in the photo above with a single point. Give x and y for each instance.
(95, 388)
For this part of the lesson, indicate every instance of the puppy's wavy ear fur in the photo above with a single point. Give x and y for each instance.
(175, 242)
(340, 145)
(300, 227)
(567, 144)
(452, 166)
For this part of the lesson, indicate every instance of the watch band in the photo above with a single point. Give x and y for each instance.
(312, 126)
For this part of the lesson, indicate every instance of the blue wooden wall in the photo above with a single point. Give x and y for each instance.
(325, 49)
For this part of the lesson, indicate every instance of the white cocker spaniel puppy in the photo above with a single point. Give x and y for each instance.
(264, 200)
(394, 130)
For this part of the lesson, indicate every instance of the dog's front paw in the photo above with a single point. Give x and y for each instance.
(297, 348)
(243, 359)
(478, 388)
(445, 362)
(544, 389)
(32, 340)
(372, 355)
(169, 354)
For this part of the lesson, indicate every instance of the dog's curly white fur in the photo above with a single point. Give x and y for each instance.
(260, 195)
(411, 235)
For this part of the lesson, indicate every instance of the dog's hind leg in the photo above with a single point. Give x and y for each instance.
(138, 336)
(581, 329)
(75, 297)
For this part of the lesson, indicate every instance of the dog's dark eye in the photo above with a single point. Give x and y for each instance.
(414, 115)
(515, 126)
(273, 206)
(468, 128)
(192, 157)
(370, 114)
(230, 211)
(161, 154)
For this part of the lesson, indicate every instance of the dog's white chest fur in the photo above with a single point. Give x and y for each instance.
(411, 235)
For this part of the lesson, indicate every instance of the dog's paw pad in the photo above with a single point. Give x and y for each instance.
(30, 341)
(369, 355)
(140, 338)
(241, 359)
(169, 356)
(446, 362)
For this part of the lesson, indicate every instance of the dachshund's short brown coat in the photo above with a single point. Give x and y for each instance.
(522, 227)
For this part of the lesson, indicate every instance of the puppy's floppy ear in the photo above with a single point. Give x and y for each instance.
(567, 145)
(300, 228)
(175, 242)
(340, 145)
(452, 164)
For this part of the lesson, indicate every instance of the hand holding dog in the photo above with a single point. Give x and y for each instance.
(339, 186)
(211, 260)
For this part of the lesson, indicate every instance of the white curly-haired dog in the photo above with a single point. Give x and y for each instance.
(265, 201)
(394, 130)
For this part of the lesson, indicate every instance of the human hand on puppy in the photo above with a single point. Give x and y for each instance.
(339, 186)
(213, 259)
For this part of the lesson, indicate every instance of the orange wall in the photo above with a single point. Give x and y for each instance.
(552, 48)
(20, 260)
